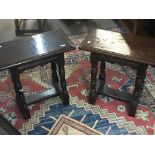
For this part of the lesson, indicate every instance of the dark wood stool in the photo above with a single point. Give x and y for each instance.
(19, 30)
(134, 51)
(33, 51)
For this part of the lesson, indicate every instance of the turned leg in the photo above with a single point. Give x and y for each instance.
(44, 24)
(17, 27)
(102, 75)
(39, 21)
(139, 84)
(93, 93)
(60, 62)
(20, 98)
(55, 79)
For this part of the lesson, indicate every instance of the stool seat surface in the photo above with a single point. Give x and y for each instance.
(129, 47)
(28, 49)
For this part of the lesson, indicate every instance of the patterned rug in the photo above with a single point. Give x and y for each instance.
(108, 116)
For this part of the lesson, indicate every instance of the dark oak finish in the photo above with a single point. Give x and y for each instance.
(42, 96)
(120, 45)
(93, 91)
(64, 96)
(20, 98)
(135, 51)
(29, 49)
(29, 52)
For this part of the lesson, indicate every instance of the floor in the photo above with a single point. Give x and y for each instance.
(70, 27)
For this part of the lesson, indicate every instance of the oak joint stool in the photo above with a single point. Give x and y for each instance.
(30, 52)
(130, 50)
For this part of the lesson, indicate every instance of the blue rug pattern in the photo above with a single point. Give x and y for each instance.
(105, 125)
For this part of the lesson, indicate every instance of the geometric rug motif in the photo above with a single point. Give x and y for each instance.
(67, 126)
(81, 118)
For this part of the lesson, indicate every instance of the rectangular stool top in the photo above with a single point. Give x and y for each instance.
(130, 47)
(34, 47)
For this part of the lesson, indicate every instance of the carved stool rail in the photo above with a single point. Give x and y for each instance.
(134, 51)
(33, 51)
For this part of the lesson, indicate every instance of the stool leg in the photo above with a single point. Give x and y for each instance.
(39, 21)
(139, 84)
(17, 27)
(55, 79)
(61, 62)
(44, 24)
(8, 127)
(93, 93)
(102, 75)
(20, 98)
